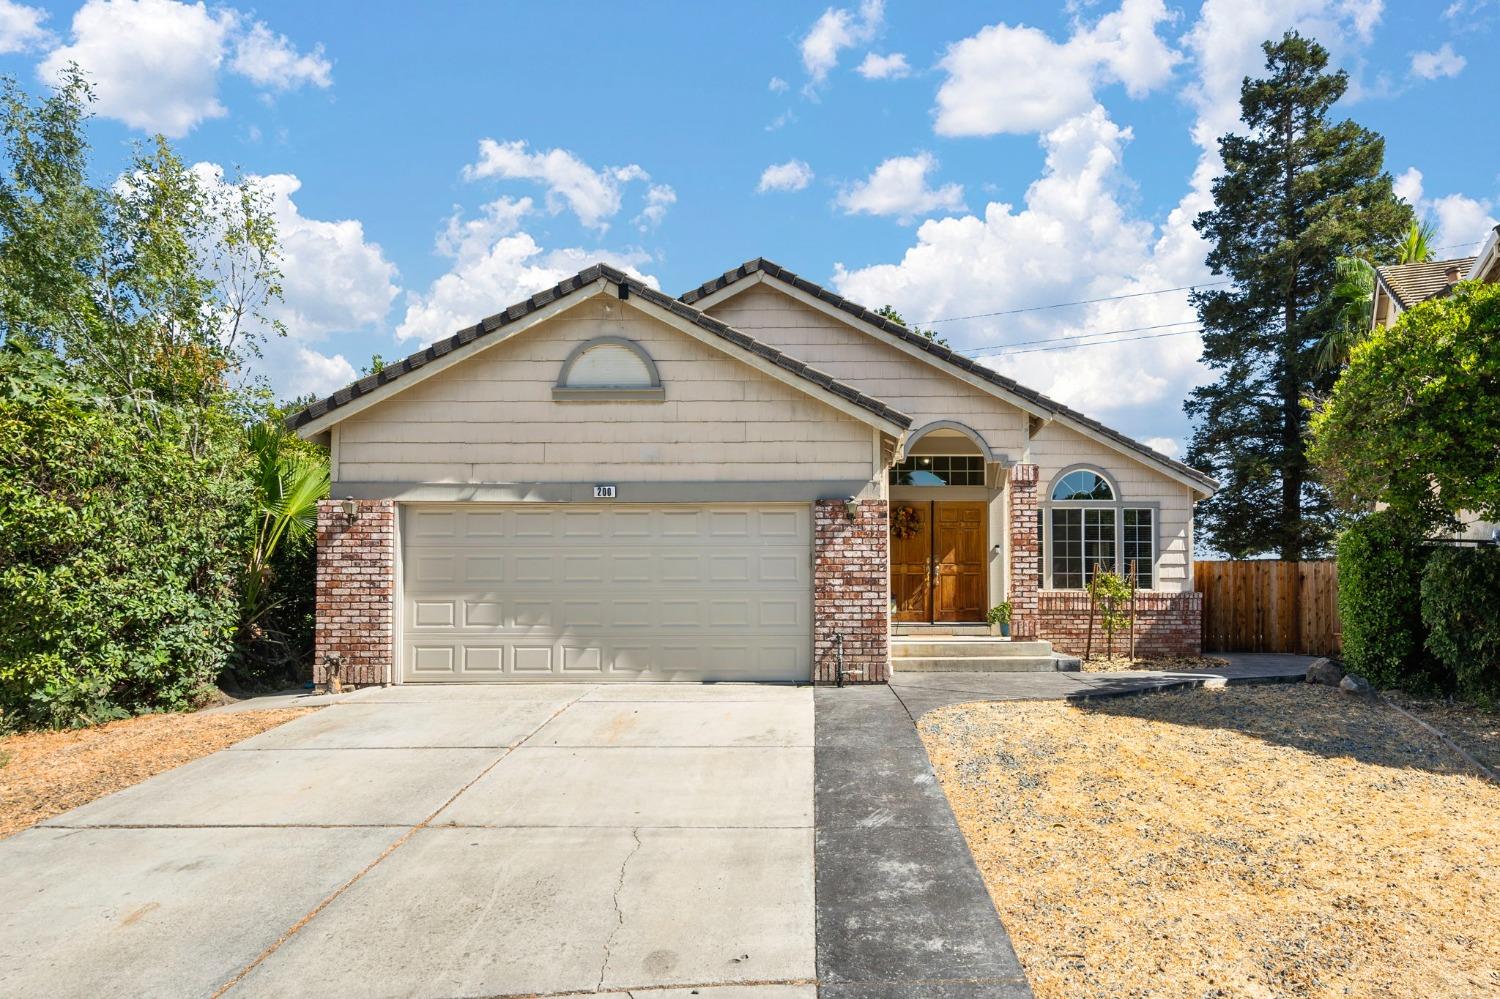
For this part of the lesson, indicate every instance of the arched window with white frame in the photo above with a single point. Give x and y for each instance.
(1091, 527)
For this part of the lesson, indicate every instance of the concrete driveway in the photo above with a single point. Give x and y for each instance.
(427, 841)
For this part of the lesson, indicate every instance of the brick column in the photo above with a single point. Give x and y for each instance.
(851, 590)
(1025, 551)
(356, 591)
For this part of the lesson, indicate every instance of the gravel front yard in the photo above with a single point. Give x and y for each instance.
(43, 774)
(1251, 841)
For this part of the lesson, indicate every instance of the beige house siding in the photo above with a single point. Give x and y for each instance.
(1055, 448)
(492, 418)
(914, 387)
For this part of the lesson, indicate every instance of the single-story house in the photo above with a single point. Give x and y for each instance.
(754, 481)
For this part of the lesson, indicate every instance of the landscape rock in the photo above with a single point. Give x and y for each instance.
(1357, 686)
(1324, 671)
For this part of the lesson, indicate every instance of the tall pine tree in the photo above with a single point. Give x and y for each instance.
(1297, 193)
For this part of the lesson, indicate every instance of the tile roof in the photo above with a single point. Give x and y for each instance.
(1051, 406)
(564, 288)
(1413, 283)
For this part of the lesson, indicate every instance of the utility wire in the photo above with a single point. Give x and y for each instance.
(971, 351)
(1082, 301)
(1096, 343)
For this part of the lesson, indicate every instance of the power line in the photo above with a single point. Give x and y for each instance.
(971, 351)
(1082, 301)
(1096, 343)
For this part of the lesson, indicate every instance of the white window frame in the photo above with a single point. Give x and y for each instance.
(1119, 505)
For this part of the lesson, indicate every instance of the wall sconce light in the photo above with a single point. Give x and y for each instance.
(351, 510)
(851, 507)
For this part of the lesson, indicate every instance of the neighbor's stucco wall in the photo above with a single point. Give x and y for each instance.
(1055, 447)
(491, 418)
(914, 387)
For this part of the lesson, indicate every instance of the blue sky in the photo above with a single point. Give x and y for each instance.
(433, 164)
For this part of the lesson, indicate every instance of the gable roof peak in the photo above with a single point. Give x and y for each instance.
(1032, 398)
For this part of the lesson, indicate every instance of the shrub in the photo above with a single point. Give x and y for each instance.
(1380, 559)
(120, 546)
(1461, 609)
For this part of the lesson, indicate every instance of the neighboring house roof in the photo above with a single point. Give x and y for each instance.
(1409, 284)
(379, 381)
(1051, 407)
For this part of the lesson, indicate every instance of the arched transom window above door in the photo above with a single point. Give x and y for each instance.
(1090, 526)
(608, 369)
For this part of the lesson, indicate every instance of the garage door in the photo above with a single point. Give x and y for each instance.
(529, 592)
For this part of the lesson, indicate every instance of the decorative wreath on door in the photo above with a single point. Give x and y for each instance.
(905, 522)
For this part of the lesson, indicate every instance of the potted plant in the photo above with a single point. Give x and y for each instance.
(999, 619)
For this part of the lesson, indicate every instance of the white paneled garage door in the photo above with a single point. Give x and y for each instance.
(530, 592)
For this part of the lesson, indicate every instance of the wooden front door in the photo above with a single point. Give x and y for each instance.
(959, 564)
(911, 567)
(939, 572)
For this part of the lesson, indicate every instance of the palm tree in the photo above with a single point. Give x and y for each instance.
(1354, 289)
(288, 485)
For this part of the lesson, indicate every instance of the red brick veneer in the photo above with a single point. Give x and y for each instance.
(356, 591)
(1166, 624)
(1025, 551)
(851, 590)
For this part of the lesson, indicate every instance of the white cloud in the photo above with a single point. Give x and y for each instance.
(315, 373)
(1408, 185)
(1462, 222)
(1438, 63)
(270, 60)
(155, 64)
(333, 278)
(1072, 239)
(778, 85)
(21, 28)
(1166, 445)
(884, 67)
(659, 197)
(793, 175)
(839, 28)
(899, 187)
(592, 195)
(1017, 79)
(495, 264)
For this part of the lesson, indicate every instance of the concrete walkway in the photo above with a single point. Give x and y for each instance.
(422, 841)
(922, 692)
(902, 910)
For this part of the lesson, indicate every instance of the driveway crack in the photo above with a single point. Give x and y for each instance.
(619, 913)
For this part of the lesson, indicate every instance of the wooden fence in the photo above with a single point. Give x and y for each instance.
(1266, 606)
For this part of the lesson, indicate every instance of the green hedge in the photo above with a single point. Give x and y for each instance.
(121, 537)
(1461, 610)
(1380, 561)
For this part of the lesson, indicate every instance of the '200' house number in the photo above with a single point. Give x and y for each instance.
(604, 492)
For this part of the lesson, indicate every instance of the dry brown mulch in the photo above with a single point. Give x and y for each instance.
(1172, 664)
(1250, 841)
(43, 774)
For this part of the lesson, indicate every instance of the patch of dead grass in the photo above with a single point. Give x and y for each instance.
(1254, 841)
(1478, 732)
(47, 773)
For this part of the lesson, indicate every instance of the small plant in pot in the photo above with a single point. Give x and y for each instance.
(999, 619)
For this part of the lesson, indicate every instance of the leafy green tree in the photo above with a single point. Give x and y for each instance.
(1414, 420)
(1110, 596)
(1298, 192)
(889, 313)
(158, 288)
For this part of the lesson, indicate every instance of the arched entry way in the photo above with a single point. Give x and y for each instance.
(940, 514)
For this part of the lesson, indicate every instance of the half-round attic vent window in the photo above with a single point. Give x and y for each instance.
(1083, 484)
(608, 369)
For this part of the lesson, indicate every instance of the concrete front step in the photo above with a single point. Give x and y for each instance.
(980, 664)
(959, 648)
